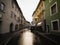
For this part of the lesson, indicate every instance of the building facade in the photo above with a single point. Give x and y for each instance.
(39, 15)
(28, 24)
(10, 16)
(23, 22)
(52, 15)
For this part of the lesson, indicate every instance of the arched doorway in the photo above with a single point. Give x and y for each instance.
(16, 27)
(11, 27)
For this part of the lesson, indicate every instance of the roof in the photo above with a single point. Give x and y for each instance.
(37, 6)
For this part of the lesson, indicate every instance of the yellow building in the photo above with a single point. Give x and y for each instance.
(39, 14)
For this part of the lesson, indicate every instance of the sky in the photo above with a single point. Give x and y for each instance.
(28, 7)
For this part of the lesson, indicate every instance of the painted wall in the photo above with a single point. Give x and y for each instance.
(48, 17)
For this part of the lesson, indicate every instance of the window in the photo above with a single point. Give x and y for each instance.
(18, 19)
(55, 25)
(2, 6)
(53, 9)
(35, 19)
(15, 16)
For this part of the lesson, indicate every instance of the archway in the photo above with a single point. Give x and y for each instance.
(11, 27)
(16, 27)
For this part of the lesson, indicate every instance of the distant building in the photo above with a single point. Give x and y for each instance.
(10, 16)
(52, 15)
(27, 24)
(23, 22)
(33, 23)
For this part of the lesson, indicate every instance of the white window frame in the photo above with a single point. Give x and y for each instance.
(52, 24)
(56, 9)
(50, 1)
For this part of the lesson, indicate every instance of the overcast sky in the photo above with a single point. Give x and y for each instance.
(28, 7)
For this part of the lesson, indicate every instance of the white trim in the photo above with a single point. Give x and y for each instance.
(52, 25)
(50, 1)
(56, 9)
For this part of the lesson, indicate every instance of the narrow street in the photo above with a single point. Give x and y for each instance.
(29, 22)
(26, 37)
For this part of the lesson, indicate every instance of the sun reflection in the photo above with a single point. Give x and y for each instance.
(27, 38)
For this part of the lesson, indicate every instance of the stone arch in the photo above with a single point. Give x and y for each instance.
(16, 27)
(11, 27)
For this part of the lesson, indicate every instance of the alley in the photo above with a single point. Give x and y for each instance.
(26, 37)
(29, 22)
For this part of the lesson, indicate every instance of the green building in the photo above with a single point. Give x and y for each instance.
(52, 15)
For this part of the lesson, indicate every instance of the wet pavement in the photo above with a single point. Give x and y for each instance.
(25, 38)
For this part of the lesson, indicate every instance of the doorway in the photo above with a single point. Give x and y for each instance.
(11, 27)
